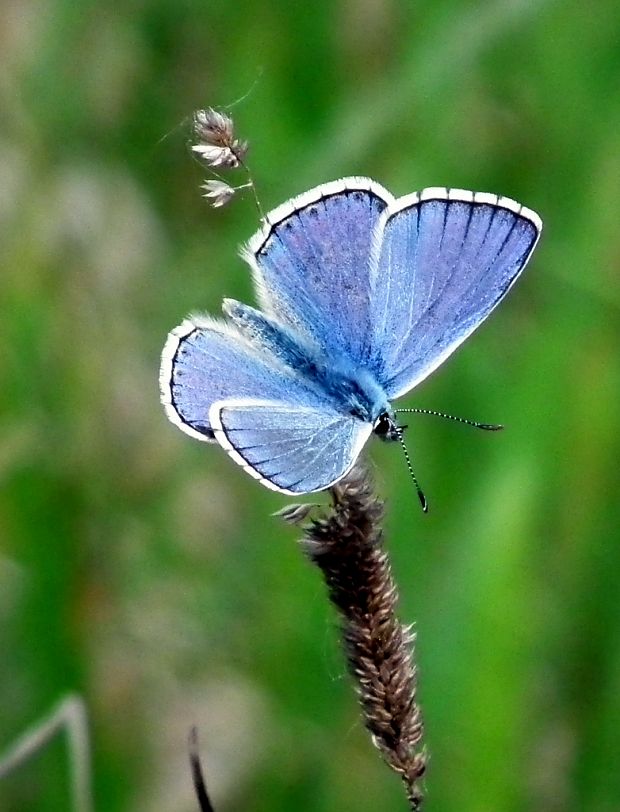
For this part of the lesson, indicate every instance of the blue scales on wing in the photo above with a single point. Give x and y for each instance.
(443, 260)
(311, 261)
(289, 447)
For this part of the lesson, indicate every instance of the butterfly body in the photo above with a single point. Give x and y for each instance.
(361, 297)
(352, 388)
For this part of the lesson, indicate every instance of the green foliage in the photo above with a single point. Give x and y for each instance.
(143, 569)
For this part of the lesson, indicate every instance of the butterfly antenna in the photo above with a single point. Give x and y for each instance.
(418, 489)
(474, 423)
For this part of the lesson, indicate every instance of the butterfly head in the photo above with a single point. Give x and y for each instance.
(386, 427)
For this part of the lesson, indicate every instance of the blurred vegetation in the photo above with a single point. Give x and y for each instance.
(142, 568)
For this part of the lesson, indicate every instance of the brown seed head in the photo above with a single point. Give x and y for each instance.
(216, 142)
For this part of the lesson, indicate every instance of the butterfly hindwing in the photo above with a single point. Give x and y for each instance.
(205, 360)
(289, 447)
(443, 260)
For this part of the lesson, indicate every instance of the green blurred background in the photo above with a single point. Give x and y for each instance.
(142, 569)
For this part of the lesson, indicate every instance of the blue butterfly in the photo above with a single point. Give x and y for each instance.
(361, 297)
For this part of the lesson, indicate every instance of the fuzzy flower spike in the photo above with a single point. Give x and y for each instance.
(217, 144)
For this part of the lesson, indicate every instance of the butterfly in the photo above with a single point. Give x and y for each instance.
(362, 296)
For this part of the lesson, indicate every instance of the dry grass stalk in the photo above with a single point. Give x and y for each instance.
(347, 545)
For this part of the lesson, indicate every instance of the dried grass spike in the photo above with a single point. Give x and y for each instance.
(347, 546)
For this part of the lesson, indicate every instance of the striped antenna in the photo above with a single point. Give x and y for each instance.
(474, 423)
(421, 497)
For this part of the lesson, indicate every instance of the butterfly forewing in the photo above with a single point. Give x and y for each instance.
(444, 260)
(311, 262)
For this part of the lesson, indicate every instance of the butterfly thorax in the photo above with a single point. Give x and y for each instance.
(355, 389)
